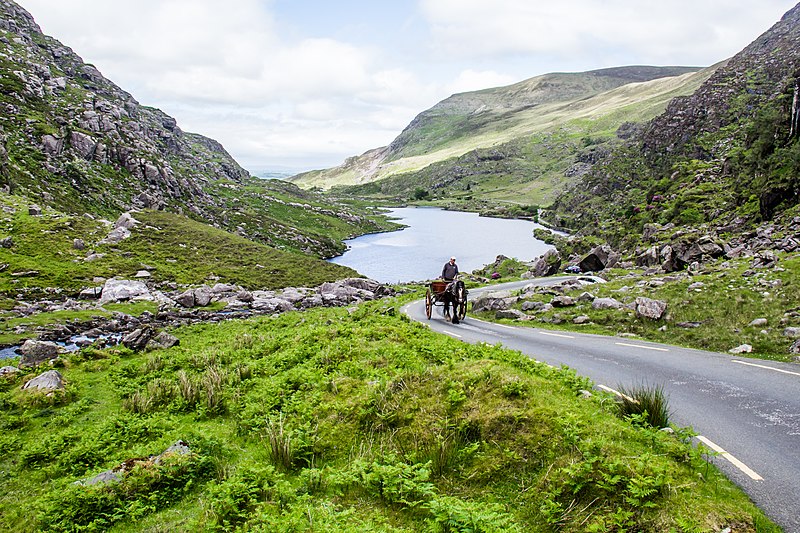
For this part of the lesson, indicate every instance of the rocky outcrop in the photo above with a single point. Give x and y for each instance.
(600, 258)
(35, 352)
(548, 264)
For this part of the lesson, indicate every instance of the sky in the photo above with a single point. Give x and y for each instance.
(302, 84)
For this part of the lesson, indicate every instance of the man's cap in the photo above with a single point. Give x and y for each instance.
(453, 258)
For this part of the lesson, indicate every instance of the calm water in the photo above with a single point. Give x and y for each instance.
(419, 251)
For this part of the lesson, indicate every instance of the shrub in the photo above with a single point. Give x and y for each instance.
(647, 403)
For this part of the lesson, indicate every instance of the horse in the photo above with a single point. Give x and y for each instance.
(456, 294)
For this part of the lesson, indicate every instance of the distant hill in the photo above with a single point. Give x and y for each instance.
(502, 124)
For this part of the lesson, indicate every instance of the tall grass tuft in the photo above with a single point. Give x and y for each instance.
(647, 403)
(279, 440)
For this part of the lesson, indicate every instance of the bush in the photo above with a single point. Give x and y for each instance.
(645, 403)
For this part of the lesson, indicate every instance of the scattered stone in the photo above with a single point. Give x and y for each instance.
(162, 340)
(548, 264)
(696, 286)
(137, 340)
(648, 308)
(142, 274)
(79, 244)
(759, 323)
(794, 348)
(91, 293)
(562, 301)
(8, 370)
(791, 332)
(7, 242)
(34, 210)
(742, 348)
(36, 352)
(585, 393)
(607, 303)
(582, 319)
(115, 290)
(493, 301)
(513, 314)
(600, 258)
(47, 381)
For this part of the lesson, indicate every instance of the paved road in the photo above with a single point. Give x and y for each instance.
(750, 408)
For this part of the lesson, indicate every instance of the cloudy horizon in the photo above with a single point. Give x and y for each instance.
(304, 84)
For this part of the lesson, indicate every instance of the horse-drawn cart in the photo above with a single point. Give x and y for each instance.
(447, 294)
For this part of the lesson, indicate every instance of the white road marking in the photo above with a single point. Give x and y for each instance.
(451, 334)
(504, 326)
(555, 335)
(618, 393)
(768, 368)
(736, 462)
(641, 346)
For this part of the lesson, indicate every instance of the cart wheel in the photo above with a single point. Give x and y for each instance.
(428, 303)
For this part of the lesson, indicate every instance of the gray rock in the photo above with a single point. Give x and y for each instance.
(37, 352)
(91, 293)
(115, 290)
(599, 258)
(142, 274)
(648, 308)
(794, 348)
(34, 210)
(47, 381)
(7, 242)
(79, 244)
(513, 314)
(203, 296)
(275, 305)
(162, 340)
(186, 298)
(607, 303)
(244, 296)
(532, 306)
(759, 322)
(562, 301)
(583, 319)
(8, 370)
(494, 301)
(116, 236)
(742, 348)
(137, 339)
(791, 332)
(548, 264)
(696, 286)
(126, 221)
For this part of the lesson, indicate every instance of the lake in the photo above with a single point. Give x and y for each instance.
(418, 252)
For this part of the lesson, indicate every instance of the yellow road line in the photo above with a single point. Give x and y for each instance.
(736, 462)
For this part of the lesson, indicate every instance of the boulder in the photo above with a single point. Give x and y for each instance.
(534, 306)
(8, 370)
(493, 301)
(794, 348)
(116, 236)
(203, 296)
(186, 298)
(791, 332)
(759, 322)
(548, 264)
(126, 221)
(7, 242)
(582, 319)
(648, 308)
(79, 244)
(742, 348)
(137, 339)
(702, 250)
(47, 381)
(276, 305)
(115, 290)
(649, 257)
(598, 259)
(607, 303)
(34, 210)
(162, 340)
(562, 301)
(513, 314)
(37, 352)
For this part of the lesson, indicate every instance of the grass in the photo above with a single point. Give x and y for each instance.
(697, 318)
(337, 420)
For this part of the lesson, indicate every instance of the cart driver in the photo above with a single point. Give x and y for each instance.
(450, 270)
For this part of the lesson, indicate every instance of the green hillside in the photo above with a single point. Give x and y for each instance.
(492, 137)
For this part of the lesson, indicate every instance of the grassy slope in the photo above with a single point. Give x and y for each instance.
(170, 246)
(717, 324)
(345, 421)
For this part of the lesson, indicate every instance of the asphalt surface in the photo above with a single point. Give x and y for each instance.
(748, 408)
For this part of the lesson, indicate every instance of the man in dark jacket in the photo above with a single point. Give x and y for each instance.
(450, 270)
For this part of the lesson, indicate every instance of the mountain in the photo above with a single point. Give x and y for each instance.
(726, 156)
(72, 140)
(475, 130)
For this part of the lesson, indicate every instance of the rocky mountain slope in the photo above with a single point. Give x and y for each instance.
(725, 158)
(73, 140)
(506, 124)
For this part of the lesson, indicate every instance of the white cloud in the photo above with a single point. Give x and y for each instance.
(275, 84)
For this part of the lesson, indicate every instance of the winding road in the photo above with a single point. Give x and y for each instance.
(748, 410)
